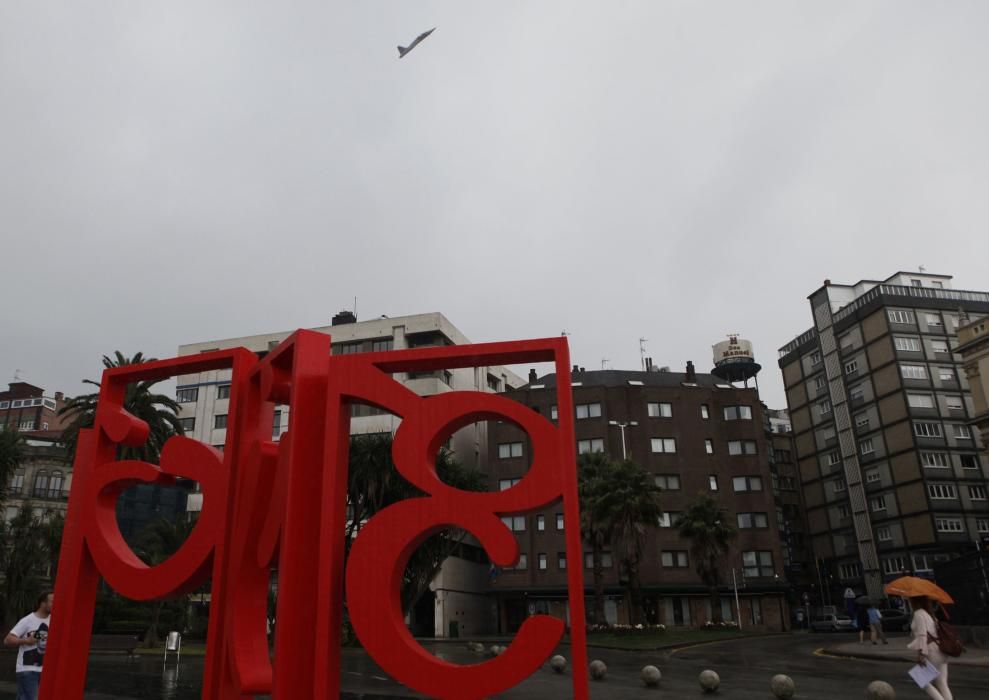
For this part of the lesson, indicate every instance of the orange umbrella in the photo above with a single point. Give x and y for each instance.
(911, 586)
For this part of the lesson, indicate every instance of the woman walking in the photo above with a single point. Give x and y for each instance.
(924, 630)
(862, 622)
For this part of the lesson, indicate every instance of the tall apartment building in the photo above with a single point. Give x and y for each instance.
(458, 592)
(973, 346)
(893, 478)
(696, 434)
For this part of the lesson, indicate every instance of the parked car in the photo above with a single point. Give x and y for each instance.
(833, 623)
(895, 620)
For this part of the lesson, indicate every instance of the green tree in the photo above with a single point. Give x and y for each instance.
(154, 544)
(22, 560)
(593, 470)
(374, 483)
(11, 456)
(157, 410)
(711, 534)
(51, 535)
(628, 505)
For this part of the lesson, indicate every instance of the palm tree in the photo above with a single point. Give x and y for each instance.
(20, 564)
(157, 410)
(593, 469)
(710, 534)
(154, 544)
(11, 455)
(628, 505)
(51, 535)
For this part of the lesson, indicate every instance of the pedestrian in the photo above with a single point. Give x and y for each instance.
(876, 624)
(30, 636)
(924, 630)
(862, 622)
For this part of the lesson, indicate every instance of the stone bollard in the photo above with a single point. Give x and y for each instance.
(598, 669)
(650, 676)
(782, 686)
(880, 690)
(500, 649)
(558, 663)
(709, 681)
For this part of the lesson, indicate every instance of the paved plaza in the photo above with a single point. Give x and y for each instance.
(745, 667)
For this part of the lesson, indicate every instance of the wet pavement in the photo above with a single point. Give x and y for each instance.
(745, 667)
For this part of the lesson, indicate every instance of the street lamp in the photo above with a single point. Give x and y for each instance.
(622, 426)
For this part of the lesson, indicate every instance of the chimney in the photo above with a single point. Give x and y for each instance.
(532, 376)
(649, 364)
(59, 396)
(574, 372)
(691, 372)
(343, 318)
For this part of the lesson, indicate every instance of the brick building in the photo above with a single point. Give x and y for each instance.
(696, 435)
(25, 408)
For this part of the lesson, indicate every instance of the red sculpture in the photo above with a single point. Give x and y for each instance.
(282, 505)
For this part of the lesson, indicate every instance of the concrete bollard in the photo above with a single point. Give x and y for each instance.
(598, 669)
(709, 681)
(558, 663)
(880, 690)
(650, 676)
(782, 686)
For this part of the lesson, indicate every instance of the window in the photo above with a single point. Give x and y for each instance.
(676, 559)
(834, 458)
(515, 523)
(664, 445)
(946, 374)
(187, 395)
(916, 283)
(853, 570)
(757, 563)
(738, 413)
(920, 400)
(741, 447)
(606, 560)
(554, 414)
(220, 421)
(820, 382)
(746, 483)
(838, 485)
(856, 393)
(383, 345)
(899, 316)
(949, 525)
(872, 476)
(561, 560)
(588, 410)
(844, 512)
(939, 346)
(668, 482)
(927, 430)
(982, 524)
(712, 482)
(505, 484)
(934, 460)
(4, 404)
(913, 371)
(877, 503)
(942, 491)
(523, 563)
(660, 410)
(223, 391)
(906, 344)
(954, 403)
(348, 348)
(668, 519)
(862, 421)
(815, 358)
(883, 534)
(970, 462)
(747, 521)
(276, 424)
(963, 432)
(977, 493)
(866, 447)
(894, 565)
(188, 424)
(824, 407)
(709, 447)
(26, 425)
(540, 523)
(592, 445)
(559, 521)
(705, 414)
(507, 450)
(541, 561)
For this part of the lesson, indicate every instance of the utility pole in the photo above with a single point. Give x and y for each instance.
(622, 426)
(734, 584)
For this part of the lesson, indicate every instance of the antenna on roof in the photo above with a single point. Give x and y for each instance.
(604, 361)
(355, 307)
(642, 353)
(922, 268)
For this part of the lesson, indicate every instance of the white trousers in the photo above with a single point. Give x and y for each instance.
(939, 688)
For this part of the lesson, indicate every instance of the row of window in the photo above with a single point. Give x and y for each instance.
(954, 403)
(24, 425)
(45, 484)
(27, 403)
(189, 424)
(949, 491)
(510, 450)
(912, 344)
(945, 374)
(585, 411)
(939, 460)
(740, 484)
(191, 394)
(516, 523)
(756, 563)
(956, 525)
(352, 348)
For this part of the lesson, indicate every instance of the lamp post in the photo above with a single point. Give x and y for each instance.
(622, 426)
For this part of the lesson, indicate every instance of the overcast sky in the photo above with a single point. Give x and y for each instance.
(184, 170)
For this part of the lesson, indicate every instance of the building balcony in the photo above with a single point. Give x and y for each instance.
(50, 494)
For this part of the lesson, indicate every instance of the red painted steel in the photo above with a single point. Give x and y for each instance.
(282, 505)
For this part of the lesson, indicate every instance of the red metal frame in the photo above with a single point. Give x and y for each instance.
(283, 505)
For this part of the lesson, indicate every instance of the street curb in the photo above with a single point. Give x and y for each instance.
(866, 656)
(686, 645)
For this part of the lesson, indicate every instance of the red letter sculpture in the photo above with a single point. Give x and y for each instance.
(282, 505)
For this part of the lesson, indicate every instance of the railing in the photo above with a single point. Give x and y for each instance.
(797, 342)
(50, 494)
(910, 291)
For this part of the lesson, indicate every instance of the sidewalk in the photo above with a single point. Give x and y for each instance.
(897, 650)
